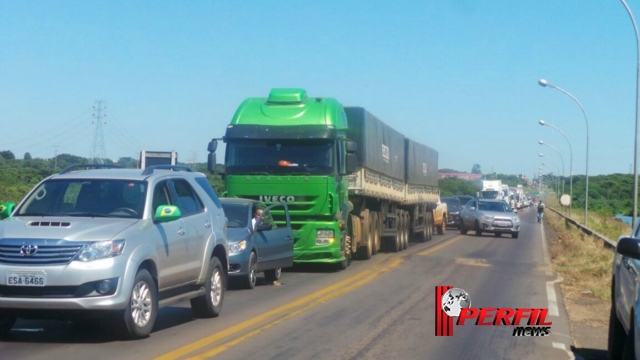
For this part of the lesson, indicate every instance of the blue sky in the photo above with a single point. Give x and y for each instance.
(460, 76)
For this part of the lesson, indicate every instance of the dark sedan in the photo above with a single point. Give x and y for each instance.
(260, 247)
(454, 207)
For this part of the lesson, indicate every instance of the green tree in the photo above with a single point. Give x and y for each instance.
(27, 156)
(7, 155)
(476, 169)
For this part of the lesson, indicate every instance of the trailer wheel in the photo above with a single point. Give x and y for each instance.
(400, 231)
(406, 230)
(375, 229)
(430, 225)
(365, 249)
(396, 239)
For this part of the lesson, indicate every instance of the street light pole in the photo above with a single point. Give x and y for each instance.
(557, 168)
(561, 159)
(545, 83)
(554, 179)
(544, 123)
(635, 137)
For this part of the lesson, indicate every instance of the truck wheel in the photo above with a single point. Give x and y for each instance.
(401, 234)
(375, 229)
(478, 231)
(406, 230)
(617, 335)
(430, 225)
(272, 275)
(366, 250)
(250, 280)
(442, 228)
(6, 323)
(138, 318)
(209, 305)
(424, 236)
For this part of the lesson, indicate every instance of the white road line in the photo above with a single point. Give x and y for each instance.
(563, 347)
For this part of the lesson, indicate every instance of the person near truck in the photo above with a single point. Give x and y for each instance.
(540, 211)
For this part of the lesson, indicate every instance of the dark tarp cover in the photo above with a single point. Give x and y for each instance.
(422, 164)
(380, 148)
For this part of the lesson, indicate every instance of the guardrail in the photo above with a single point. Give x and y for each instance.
(608, 243)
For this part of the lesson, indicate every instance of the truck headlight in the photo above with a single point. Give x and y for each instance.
(237, 247)
(100, 250)
(324, 237)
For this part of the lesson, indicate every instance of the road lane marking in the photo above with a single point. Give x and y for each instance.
(472, 262)
(440, 246)
(552, 299)
(348, 283)
(218, 349)
(562, 346)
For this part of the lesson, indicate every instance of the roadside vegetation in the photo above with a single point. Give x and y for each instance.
(18, 176)
(582, 260)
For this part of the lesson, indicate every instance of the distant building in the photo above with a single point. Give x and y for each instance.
(463, 176)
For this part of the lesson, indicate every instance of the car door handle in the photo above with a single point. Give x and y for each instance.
(181, 232)
(207, 224)
(289, 238)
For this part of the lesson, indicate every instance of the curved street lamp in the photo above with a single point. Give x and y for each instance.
(557, 168)
(544, 123)
(545, 83)
(554, 178)
(635, 138)
(561, 159)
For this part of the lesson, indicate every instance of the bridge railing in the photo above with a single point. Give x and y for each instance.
(608, 243)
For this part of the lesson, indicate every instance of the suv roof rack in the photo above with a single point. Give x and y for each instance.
(87, 167)
(151, 169)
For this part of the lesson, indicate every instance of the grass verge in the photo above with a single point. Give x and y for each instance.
(582, 260)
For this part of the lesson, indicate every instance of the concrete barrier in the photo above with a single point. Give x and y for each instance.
(608, 243)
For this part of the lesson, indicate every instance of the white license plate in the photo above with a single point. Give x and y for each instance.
(502, 224)
(26, 279)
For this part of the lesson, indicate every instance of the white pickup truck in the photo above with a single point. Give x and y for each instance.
(440, 217)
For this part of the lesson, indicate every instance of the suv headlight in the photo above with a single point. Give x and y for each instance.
(487, 218)
(324, 237)
(237, 247)
(515, 218)
(100, 250)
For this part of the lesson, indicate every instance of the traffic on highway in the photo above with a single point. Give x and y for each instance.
(113, 254)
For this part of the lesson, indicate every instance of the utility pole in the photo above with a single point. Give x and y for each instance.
(55, 158)
(98, 151)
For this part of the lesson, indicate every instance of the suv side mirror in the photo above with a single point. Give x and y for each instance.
(6, 209)
(167, 213)
(628, 247)
(351, 163)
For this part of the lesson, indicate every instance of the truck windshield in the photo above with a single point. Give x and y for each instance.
(302, 157)
(490, 194)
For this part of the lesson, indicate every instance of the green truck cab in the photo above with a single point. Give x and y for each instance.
(292, 148)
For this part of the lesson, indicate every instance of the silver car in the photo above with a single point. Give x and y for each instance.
(492, 216)
(114, 242)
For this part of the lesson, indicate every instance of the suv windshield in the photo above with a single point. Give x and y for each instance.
(493, 206)
(308, 157)
(86, 197)
(237, 215)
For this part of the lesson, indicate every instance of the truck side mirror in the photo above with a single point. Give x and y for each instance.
(213, 145)
(211, 162)
(351, 146)
(351, 163)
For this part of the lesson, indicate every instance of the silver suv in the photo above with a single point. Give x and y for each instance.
(114, 242)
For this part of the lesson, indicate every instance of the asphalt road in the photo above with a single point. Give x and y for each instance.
(382, 308)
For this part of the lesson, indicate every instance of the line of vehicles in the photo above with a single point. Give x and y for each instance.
(307, 181)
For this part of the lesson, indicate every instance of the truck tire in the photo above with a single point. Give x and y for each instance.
(430, 225)
(396, 239)
(443, 227)
(209, 305)
(356, 230)
(401, 225)
(137, 319)
(375, 226)
(365, 250)
(406, 230)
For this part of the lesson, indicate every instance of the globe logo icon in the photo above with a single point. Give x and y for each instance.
(455, 300)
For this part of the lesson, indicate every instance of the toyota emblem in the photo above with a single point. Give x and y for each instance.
(28, 250)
